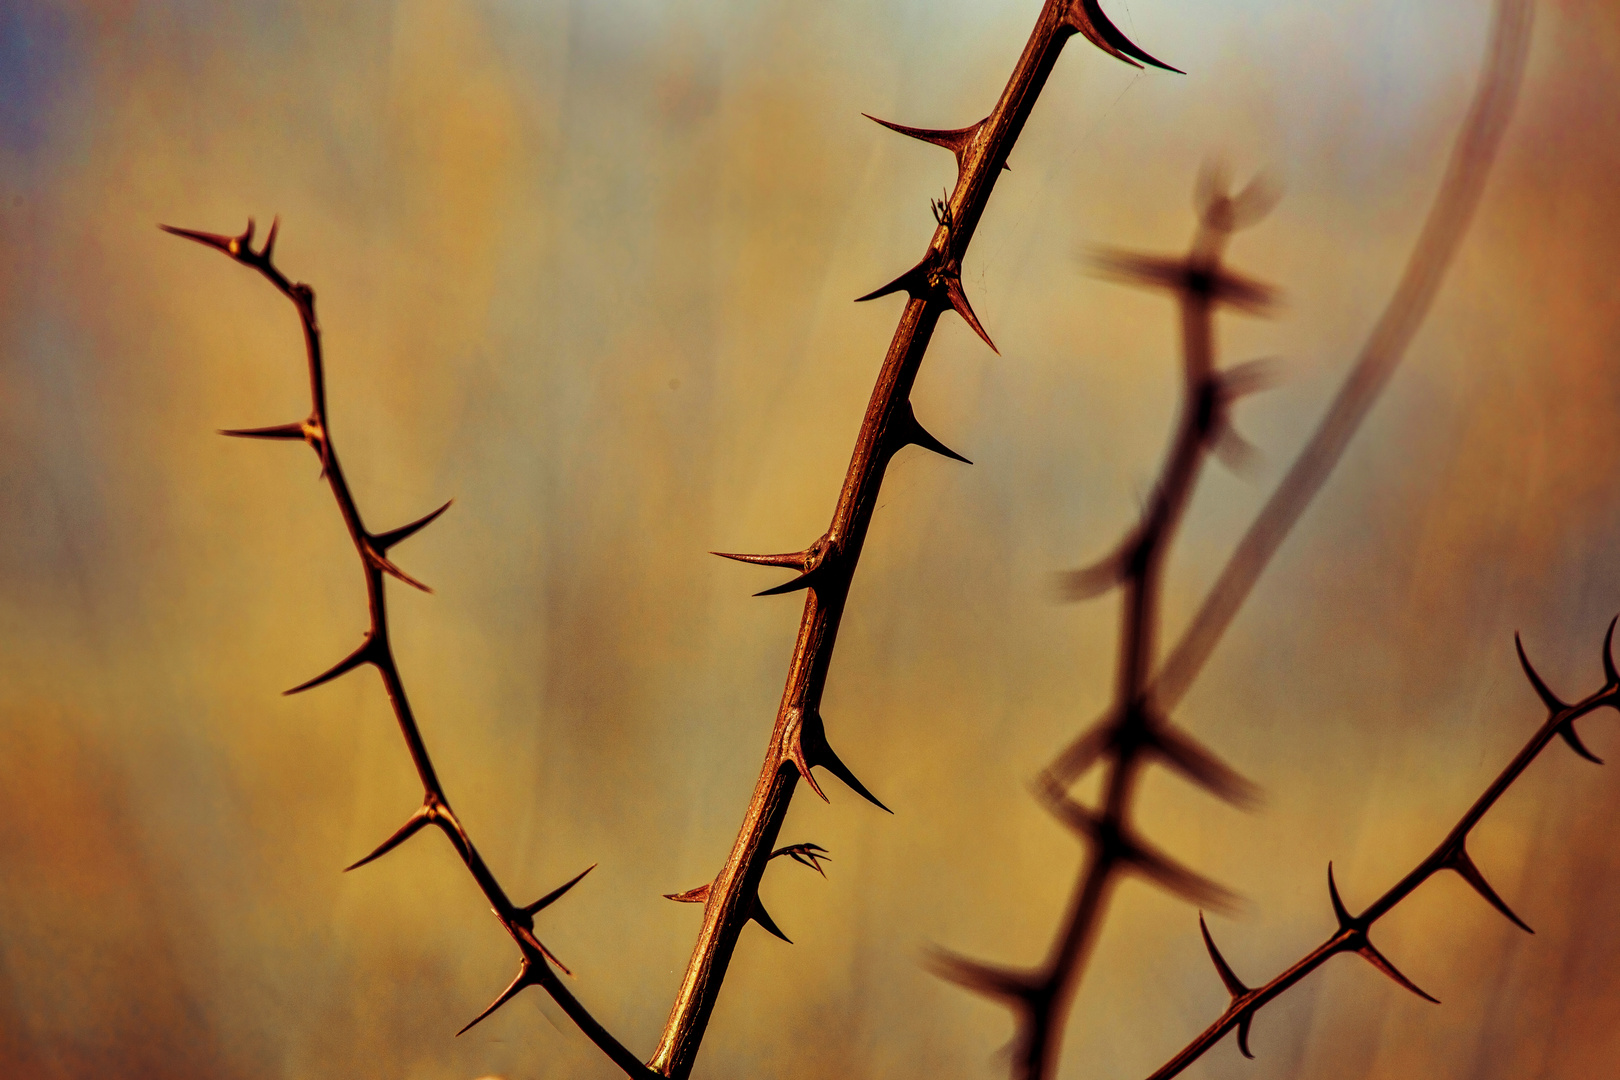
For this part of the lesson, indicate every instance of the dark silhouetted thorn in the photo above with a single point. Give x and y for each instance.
(1377, 960)
(1157, 271)
(904, 430)
(362, 655)
(414, 824)
(1188, 757)
(269, 248)
(956, 140)
(914, 282)
(796, 754)
(1243, 1035)
(1100, 576)
(1013, 987)
(230, 245)
(1170, 875)
(699, 895)
(550, 897)
(803, 581)
(395, 536)
(1548, 698)
(279, 431)
(1229, 979)
(1079, 755)
(1460, 861)
(1339, 911)
(1087, 17)
(763, 917)
(525, 978)
(794, 559)
(1610, 675)
(959, 301)
(811, 855)
(813, 749)
(1567, 730)
(387, 566)
(1241, 292)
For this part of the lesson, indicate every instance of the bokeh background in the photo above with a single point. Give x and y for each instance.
(587, 268)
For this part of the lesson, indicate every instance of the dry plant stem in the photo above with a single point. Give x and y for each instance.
(1351, 936)
(1133, 733)
(797, 742)
(535, 967)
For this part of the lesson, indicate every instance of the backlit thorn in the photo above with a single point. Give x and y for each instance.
(233, 246)
(956, 140)
(913, 282)
(905, 430)
(384, 541)
(807, 747)
(365, 654)
(525, 978)
(699, 895)
(792, 559)
(1188, 757)
(1229, 979)
(1015, 988)
(528, 912)
(383, 563)
(1378, 960)
(1087, 17)
(1339, 911)
(279, 431)
(1458, 860)
(1566, 730)
(1243, 1034)
(959, 301)
(424, 816)
(811, 855)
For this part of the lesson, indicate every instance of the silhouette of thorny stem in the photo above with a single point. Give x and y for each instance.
(1351, 936)
(535, 964)
(1136, 730)
(798, 741)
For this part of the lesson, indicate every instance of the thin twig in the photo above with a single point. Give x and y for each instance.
(825, 568)
(535, 964)
(1351, 936)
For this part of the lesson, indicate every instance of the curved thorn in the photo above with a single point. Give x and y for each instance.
(905, 430)
(547, 900)
(1339, 912)
(1610, 675)
(699, 895)
(1548, 698)
(959, 301)
(414, 824)
(395, 536)
(801, 761)
(1377, 960)
(817, 751)
(956, 140)
(805, 855)
(362, 655)
(763, 917)
(1229, 979)
(1187, 756)
(524, 979)
(914, 282)
(1092, 23)
(1465, 868)
(1243, 1035)
(794, 559)
(277, 431)
(1567, 730)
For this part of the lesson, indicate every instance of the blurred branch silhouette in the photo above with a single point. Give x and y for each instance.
(1136, 729)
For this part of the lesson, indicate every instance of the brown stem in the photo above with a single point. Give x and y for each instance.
(375, 649)
(933, 286)
(1451, 854)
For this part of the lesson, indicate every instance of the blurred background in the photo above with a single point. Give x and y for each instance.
(587, 269)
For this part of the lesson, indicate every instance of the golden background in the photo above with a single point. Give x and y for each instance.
(587, 269)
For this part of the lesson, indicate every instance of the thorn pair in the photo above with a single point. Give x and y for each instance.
(757, 913)
(1234, 986)
(938, 280)
(1554, 706)
(808, 562)
(1354, 931)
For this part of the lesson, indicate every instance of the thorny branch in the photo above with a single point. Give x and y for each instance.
(1351, 936)
(1135, 729)
(798, 742)
(535, 964)
(1134, 732)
